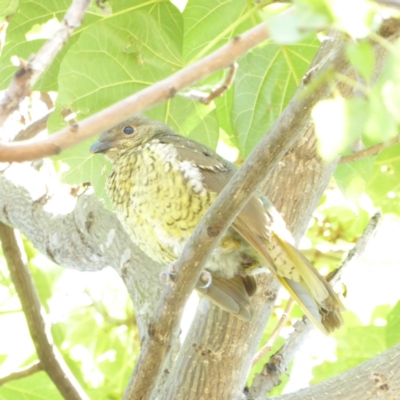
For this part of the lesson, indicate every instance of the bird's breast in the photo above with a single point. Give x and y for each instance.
(159, 198)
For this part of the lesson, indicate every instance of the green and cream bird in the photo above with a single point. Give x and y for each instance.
(161, 184)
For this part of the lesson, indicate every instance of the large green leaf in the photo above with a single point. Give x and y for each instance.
(8, 7)
(31, 17)
(29, 14)
(118, 56)
(352, 178)
(266, 80)
(36, 387)
(211, 23)
(384, 185)
(393, 326)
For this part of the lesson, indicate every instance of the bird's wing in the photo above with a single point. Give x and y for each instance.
(256, 223)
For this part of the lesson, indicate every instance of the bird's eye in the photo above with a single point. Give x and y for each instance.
(128, 130)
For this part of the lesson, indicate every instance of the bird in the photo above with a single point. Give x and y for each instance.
(160, 186)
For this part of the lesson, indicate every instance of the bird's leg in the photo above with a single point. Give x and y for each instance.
(168, 275)
(205, 280)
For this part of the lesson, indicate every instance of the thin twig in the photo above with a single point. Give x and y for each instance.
(33, 129)
(49, 356)
(371, 151)
(206, 98)
(355, 253)
(29, 73)
(146, 98)
(270, 376)
(275, 334)
(22, 373)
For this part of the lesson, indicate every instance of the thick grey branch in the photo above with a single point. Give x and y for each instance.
(76, 231)
(375, 379)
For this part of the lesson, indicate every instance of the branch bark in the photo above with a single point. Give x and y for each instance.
(50, 358)
(22, 373)
(146, 98)
(375, 379)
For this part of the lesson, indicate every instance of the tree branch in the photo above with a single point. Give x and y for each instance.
(33, 129)
(76, 231)
(146, 98)
(275, 334)
(51, 360)
(375, 379)
(22, 373)
(207, 98)
(371, 151)
(28, 73)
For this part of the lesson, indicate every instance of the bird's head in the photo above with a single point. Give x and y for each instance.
(127, 135)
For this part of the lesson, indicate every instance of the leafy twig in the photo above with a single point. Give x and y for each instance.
(275, 334)
(225, 85)
(29, 72)
(33, 129)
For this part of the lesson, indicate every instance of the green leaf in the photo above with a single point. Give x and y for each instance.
(8, 7)
(266, 80)
(81, 167)
(292, 27)
(224, 106)
(393, 326)
(362, 57)
(381, 124)
(35, 387)
(111, 60)
(384, 185)
(338, 125)
(29, 14)
(206, 132)
(355, 344)
(352, 178)
(210, 24)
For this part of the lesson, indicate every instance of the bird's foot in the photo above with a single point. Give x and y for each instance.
(205, 280)
(168, 275)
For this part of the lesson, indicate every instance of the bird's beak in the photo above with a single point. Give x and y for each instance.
(100, 147)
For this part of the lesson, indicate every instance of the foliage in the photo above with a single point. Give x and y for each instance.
(139, 42)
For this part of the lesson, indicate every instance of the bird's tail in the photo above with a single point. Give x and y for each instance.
(313, 293)
(232, 295)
